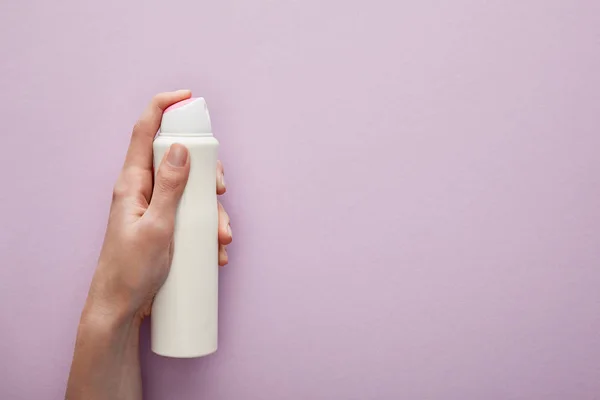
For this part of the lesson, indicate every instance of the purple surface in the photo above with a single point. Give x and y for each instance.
(414, 188)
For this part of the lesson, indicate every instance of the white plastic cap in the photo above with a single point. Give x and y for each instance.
(187, 118)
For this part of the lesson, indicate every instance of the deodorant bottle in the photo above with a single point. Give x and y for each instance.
(184, 313)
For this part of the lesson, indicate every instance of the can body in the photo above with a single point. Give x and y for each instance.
(184, 316)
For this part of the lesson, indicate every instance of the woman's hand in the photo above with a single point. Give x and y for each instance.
(138, 246)
(134, 262)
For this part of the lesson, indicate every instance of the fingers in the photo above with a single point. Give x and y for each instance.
(139, 153)
(225, 234)
(220, 178)
(223, 256)
(169, 184)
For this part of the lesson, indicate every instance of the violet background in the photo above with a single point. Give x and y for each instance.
(414, 188)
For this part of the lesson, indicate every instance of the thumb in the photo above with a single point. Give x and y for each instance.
(171, 178)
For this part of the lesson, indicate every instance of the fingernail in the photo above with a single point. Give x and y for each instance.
(177, 155)
(229, 231)
(223, 179)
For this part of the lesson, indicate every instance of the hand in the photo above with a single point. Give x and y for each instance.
(134, 262)
(138, 246)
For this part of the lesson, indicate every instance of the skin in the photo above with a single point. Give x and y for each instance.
(134, 262)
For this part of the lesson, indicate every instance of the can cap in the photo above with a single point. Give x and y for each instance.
(187, 117)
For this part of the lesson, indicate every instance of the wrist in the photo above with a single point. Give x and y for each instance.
(106, 359)
(111, 300)
(108, 317)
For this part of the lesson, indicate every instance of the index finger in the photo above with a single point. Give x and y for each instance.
(139, 153)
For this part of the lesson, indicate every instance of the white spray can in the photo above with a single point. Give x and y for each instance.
(184, 313)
